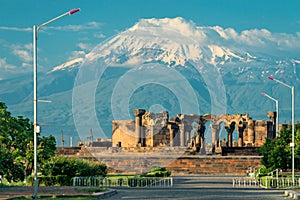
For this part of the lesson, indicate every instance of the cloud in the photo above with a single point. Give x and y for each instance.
(23, 55)
(84, 49)
(99, 35)
(7, 28)
(6, 69)
(259, 40)
(77, 54)
(88, 26)
(9, 70)
(4, 66)
(23, 52)
(85, 46)
(84, 27)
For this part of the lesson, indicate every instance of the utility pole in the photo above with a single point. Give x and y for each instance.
(91, 136)
(62, 139)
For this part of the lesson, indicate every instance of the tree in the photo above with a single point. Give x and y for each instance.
(16, 146)
(277, 153)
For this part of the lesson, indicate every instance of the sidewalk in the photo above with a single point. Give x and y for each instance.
(19, 191)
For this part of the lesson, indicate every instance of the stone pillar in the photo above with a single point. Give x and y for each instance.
(151, 133)
(196, 138)
(241, 136)
(171, 137)
(139, 131)
(188, 130)
(229, 139)
(173, 129)
(201, 137)
(229, 128)
(251, 131)
(182, 135)
(215, 129)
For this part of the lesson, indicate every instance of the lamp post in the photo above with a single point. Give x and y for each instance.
(292, 144)
(36, 127)
(277, 115)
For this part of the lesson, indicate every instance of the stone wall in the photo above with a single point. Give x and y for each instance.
(139, 160)
(214, 165)
(123, 133)
(187, 165)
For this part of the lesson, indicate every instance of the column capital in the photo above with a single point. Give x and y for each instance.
(139, 112)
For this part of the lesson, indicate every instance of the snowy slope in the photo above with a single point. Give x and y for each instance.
(175, 41)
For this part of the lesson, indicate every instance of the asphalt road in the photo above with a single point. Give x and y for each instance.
(187, 188)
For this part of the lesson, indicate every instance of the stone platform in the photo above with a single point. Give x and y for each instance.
(178, 160)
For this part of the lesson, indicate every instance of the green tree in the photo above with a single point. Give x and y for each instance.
(277, 153)
(16, 146)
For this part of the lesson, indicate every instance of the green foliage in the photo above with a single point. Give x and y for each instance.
(262, 171)
(72, 167)
(266, 181)
(156, 171)
(16, 146)
(59, 180)
(277, 153)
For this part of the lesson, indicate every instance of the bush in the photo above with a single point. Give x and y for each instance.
(60, 180)
(72, 167)
(63, 180)
(156, 171)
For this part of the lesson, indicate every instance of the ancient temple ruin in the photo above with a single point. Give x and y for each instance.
(188, 130)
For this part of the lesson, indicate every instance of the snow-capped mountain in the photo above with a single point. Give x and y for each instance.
(176, 41)
(221, 67)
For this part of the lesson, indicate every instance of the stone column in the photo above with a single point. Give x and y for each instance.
(188, 130)
(229, 134)
(151, 133)
(139, 131)
(172, 129)
(241, 129)
(182, 135)
(202, 138)
(251, 131)
(215, 129)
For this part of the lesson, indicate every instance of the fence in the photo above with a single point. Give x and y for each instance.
(123, 182)
(266, 182)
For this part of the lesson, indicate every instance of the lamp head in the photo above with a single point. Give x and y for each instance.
(74, 11)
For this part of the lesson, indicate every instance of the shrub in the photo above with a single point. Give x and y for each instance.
(72, 167)
(60, 180)
(156, 171)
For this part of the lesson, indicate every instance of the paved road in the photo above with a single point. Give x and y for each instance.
(187, 188)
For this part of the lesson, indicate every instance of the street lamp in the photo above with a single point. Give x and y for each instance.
(277, 115)
(292, 144)
(36, 127)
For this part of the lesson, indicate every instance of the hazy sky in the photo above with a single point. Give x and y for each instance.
(98, 20)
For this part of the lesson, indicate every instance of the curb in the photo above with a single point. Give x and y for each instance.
(292, 194)
(104, 194)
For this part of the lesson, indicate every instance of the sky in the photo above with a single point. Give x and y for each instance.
(76, 35)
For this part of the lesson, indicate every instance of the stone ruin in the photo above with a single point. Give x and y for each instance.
(188, 130)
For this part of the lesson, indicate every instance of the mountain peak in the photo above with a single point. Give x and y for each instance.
(174, 41)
